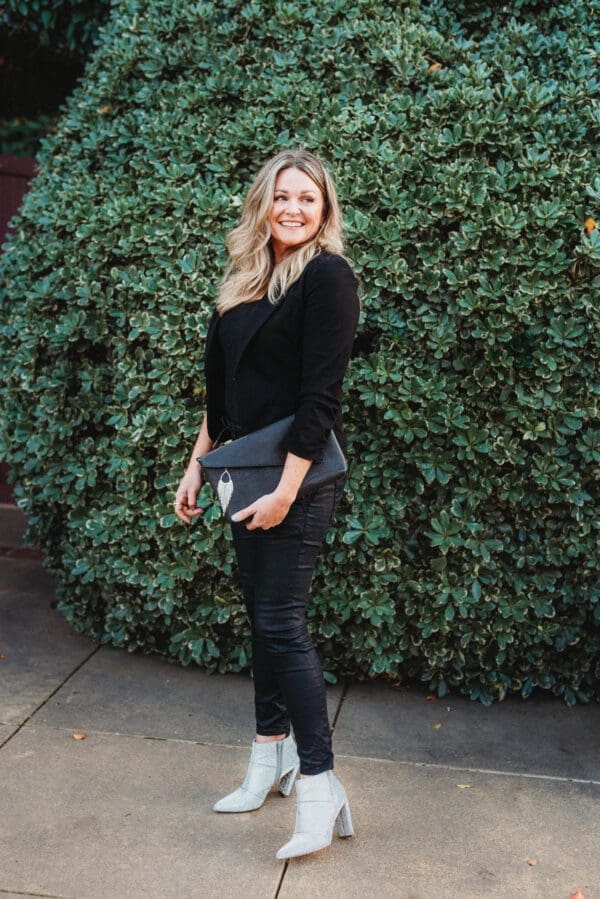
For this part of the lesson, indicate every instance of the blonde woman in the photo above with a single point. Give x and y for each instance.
(278, 343)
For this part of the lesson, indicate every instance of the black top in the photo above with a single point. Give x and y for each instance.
(234, 325)
(287, 358)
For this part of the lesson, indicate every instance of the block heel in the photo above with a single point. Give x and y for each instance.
(344, 821)
(287, 781)
(321, 802)
(267, 761)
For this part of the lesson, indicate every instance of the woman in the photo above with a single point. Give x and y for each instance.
(278, 343)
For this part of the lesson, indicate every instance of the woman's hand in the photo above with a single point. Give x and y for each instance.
(187, 494)
(269, 510)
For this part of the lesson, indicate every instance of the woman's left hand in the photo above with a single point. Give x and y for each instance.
(268, 511)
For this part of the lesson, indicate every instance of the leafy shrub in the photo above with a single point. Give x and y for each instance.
(465, 552)
(22, 136)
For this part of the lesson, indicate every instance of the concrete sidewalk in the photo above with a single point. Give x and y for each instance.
(450, 799)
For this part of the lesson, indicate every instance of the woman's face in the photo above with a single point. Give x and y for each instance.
(296, 213)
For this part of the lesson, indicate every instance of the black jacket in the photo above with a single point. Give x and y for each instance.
(293, 360)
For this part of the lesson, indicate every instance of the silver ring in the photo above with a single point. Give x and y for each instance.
(177, 503)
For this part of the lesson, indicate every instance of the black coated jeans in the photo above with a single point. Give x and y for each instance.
(276, 567)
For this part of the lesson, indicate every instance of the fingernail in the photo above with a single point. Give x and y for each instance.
(234, 516)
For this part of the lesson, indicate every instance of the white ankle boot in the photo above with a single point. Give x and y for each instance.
(270, 762)
(321, 803)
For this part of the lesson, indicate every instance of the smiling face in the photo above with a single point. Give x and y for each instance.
(296, 213)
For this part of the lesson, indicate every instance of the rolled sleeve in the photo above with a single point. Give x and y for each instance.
(331, 314)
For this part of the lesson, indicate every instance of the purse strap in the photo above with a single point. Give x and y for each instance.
(214, 446)
(224, 428)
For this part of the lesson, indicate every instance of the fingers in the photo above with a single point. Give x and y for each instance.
(241, 514)
(186, 498)
(181, 512)
(253, 523)
(185, 512)
(264, 516)
(257, 520)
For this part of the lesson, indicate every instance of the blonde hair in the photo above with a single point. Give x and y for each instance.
(251, 271)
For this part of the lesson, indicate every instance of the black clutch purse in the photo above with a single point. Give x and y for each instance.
(241, 470)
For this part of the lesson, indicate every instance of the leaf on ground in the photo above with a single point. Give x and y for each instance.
(79, 736)
(437, 726)
(430, 698)
(463, 786)
(532, 861)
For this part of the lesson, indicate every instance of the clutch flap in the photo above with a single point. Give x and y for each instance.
(263, 447)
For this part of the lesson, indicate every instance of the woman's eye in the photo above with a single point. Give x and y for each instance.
(308, 199)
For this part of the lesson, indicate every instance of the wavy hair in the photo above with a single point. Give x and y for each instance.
(251, 271)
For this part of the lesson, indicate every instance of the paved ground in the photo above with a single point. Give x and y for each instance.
(501, 801)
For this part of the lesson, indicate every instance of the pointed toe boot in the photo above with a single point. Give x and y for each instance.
(274, 762)
(321, 804)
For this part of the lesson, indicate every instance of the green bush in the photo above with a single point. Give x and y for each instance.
(462, 140)
(22, 136)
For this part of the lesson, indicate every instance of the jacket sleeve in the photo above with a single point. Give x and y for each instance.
(331, 316)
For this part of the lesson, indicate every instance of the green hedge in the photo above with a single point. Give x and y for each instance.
(464, 145)
(22, 136)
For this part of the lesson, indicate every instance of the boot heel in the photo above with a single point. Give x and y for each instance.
(344, 821)
(287, 781)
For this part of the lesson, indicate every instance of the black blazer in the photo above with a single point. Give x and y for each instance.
(292, 360)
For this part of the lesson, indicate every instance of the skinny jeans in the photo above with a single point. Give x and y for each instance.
(275, 569)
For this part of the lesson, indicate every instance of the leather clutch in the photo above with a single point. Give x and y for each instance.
(242, 470)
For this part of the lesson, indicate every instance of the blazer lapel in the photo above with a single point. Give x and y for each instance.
(261, 315)
(258, 320)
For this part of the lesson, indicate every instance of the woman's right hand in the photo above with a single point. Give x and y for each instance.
(187, 494)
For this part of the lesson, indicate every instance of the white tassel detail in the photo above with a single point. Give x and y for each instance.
(224, 490)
